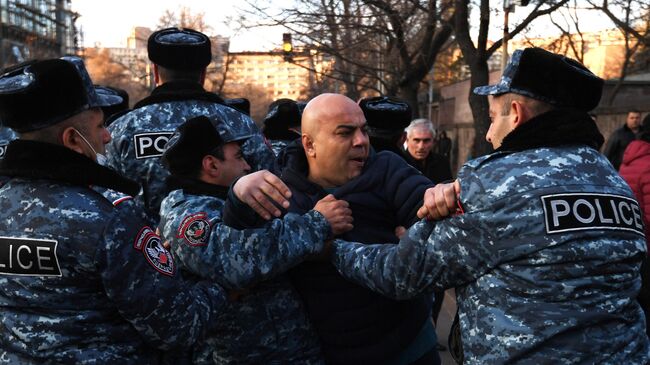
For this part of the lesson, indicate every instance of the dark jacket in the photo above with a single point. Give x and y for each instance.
(435, 166)
(355, 325)
(616, 145)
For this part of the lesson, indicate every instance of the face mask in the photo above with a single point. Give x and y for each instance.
(100, 158)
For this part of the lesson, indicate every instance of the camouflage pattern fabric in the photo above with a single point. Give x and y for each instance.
(267, 324)
(139, 138)
(545, 260)
(278, 145)
(82, 281)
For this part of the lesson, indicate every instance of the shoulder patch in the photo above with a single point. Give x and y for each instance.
(28, 257)
(151, 144)
(591, 211)
(195, 229)
(157, 255)
(116, 202)
(140, 238)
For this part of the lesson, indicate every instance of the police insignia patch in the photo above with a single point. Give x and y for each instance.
(157, 256)
(195, 229)
(141, 237)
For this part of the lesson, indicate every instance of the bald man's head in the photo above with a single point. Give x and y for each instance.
(335, 139)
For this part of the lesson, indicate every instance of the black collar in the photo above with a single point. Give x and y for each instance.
(196, 187)
(555, 128)
(40, 160)
(179, 91)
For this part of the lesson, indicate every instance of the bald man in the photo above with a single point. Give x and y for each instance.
(355, 325)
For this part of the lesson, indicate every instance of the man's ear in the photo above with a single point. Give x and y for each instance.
(211, 166)
(156, 75)
(71, 139)
(308, 145)
(520, 111)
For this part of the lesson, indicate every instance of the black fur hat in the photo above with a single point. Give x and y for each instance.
(179, 49)
(241, 104)
(38, 94)
(385, 115)
(111, 111)
(549, 77)
(282, 115)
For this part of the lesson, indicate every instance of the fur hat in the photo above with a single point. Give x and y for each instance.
(179, 49)
(549, 77)
(38, 94)
(385, 115)
(241, 104)
(282, 115)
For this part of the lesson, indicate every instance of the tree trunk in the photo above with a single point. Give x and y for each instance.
(409, 93)
(480, 109)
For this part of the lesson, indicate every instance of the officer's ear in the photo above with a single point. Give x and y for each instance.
(70, 138)
(521, 112)
(308, 145)
(211, 166)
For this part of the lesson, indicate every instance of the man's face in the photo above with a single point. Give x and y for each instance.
(633, 120)
(341, 146)
(233, 164)
(95, 132)
(500, 125)
(419, 143)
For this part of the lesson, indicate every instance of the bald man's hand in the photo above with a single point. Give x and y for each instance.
(440, 201)
(262, 191)
(337, 213)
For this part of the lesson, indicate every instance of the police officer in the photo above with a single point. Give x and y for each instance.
(268, 323)
(387, 117)
(180, 58)
(282, 123)
(545, 253)
(82, 279)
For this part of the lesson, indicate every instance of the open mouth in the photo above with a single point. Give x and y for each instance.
(359, 160)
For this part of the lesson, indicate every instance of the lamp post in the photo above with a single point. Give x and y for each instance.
(508, 7)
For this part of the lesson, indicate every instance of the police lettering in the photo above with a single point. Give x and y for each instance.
(148, 145)
(579, 211)
(28, 257)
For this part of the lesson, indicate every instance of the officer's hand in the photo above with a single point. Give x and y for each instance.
(259, 190)
(399, 232)
(440, 201)
(336, 212)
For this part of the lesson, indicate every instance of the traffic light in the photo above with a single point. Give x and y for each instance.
(287, 47)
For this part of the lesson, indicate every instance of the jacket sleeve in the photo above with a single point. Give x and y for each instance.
(432, 256)
(141, 279)
(611, 148)
(405, 187)
(238, 258)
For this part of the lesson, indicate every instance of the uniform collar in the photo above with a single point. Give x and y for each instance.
(40, 160)
(196, 187)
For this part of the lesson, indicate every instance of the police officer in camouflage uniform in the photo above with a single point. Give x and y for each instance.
(82, 279)
(267, 324)
(180, 58)
(282, 123)
(546, 251)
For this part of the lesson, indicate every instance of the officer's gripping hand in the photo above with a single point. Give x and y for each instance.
(337, 213)
(440, 201)
(260, 190)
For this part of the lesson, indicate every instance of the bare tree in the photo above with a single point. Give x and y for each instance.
(183, 17)
(106, 71)
(476, 54)
(378, 46)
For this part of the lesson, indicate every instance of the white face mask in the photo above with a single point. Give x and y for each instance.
(100, 158)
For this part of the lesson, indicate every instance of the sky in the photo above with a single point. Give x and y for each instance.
(108, 23)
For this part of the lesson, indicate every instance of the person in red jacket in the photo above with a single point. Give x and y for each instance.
(635, 169)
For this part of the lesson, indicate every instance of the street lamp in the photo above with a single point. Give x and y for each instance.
(508, 7)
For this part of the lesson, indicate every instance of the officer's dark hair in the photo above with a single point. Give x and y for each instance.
(634, 111)
(537, 107)
(52, 134)
(194, 169)
(167, 74)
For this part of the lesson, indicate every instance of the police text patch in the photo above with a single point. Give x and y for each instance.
(28, 257)
(580, 211)
(148, 145)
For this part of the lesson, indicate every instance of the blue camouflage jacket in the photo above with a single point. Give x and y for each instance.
(545, 258)
(82, 280)
(268, 323)
(6, 135)
(139, 137)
